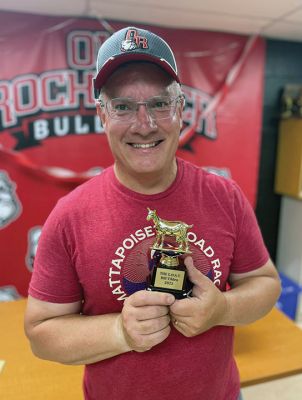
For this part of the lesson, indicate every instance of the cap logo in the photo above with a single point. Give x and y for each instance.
(133, 41)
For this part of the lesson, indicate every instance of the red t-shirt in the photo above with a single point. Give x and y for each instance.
(95, 246)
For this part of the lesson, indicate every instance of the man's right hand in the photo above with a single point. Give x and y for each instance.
(145, 319)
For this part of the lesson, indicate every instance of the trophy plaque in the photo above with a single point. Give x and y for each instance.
(169, 273)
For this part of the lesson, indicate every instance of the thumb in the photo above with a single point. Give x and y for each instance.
(194, 275)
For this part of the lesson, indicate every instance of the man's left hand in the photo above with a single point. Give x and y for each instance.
(204, 310)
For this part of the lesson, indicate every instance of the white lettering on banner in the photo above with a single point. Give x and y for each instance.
(197, 101)
(81, 47)
(79, 127)
(41, 130)
(54, 90)
(128, 244)
(50, 91)
(26, 94)
(7, 114)
(62, 126)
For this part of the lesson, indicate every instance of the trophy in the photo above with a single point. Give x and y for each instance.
(169, 273)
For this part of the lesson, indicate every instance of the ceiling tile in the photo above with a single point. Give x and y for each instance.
(295, 17)
(284, 30)
(188, 19)
(52, 7)
(256, 8)
(277, 18)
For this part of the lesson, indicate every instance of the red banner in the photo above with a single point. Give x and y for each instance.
(51, 139)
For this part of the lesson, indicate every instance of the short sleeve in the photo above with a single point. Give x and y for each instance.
(250, 251)
(54, 277)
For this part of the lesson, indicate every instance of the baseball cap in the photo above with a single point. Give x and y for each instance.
(132, 44)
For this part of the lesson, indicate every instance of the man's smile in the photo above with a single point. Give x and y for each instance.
(145, 145)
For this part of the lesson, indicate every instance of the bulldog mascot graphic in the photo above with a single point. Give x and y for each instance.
(10, 206)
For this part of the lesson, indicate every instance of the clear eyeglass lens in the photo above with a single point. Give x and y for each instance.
(159, 107)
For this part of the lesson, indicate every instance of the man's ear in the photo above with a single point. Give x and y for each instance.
(183, 103)
(181, 110)
(101, 113)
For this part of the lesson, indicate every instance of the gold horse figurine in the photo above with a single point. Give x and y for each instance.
(164, 228)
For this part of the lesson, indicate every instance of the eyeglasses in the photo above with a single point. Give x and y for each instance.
(158, 107)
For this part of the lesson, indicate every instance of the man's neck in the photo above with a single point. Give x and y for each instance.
(147, 183)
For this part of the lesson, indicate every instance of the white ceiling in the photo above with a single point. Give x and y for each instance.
(280, 19)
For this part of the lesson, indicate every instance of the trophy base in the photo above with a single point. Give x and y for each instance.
(178, 294)
(170, 280)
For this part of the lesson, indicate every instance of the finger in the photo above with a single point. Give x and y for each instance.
(175, 322)
(151, 326)
(177, 311)
(195, 276)
(180, 326)
(146, 298)
(185, 329)
(150, 312)
(175, 319)
(146, 342)
(182, 308)
(157, 337)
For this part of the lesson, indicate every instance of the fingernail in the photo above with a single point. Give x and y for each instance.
(170, 299)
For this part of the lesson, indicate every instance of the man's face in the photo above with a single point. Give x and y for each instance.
(144, 147)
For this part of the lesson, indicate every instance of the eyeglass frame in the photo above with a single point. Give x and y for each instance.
(176, 100)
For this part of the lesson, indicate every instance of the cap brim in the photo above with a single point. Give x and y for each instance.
(113, 62)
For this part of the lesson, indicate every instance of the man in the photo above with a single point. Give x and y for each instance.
(87, 300)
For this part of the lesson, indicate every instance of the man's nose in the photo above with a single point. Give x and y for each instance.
(144, 120)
